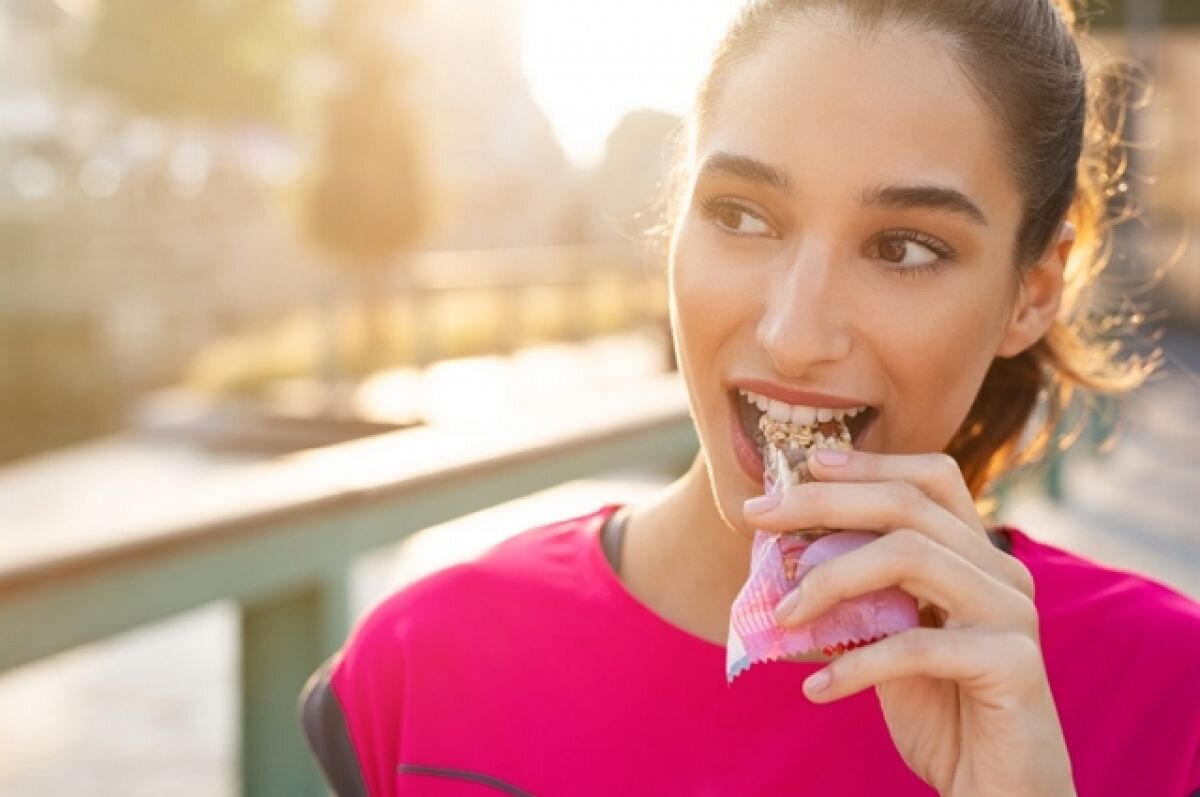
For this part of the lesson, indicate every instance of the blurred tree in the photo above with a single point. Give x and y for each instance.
(223, 60)
(368, 200)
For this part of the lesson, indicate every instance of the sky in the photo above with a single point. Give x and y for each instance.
(589, 62)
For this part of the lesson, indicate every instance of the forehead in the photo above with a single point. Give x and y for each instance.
(837, 112)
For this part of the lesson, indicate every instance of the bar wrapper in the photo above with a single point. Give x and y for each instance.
(778, 562)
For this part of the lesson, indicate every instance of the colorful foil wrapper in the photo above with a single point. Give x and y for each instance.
(778, 562)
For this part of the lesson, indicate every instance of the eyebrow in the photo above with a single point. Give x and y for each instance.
(935, 197)
(899, 197)
(727, 163)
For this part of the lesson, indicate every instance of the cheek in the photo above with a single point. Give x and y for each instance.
(937, 348)
(707, 298)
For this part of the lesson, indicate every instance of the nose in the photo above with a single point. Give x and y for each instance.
(805, 321)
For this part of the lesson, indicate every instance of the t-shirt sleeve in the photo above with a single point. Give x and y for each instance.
(1169, 615)
(1179, 713)
(353, 707)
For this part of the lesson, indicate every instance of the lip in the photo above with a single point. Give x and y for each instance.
(789, 395)
(744, 449)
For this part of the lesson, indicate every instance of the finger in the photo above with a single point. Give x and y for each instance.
(982, 662)
(920, 567)
(876, 506)
(937, 475)
(885, 506)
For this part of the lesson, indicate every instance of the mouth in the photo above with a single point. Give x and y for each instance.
(747, 409)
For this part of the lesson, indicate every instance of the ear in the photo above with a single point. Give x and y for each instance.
(1039, 297)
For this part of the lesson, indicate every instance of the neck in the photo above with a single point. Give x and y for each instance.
(682, 560)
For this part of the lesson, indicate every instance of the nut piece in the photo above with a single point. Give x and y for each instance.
(785, 453)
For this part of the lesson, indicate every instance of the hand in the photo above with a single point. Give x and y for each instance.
(968, 704)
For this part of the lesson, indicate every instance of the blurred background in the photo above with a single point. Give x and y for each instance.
(259, 256)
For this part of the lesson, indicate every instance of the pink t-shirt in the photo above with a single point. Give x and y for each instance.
(533, 671)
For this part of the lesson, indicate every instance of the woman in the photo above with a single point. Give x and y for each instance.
(890, 205)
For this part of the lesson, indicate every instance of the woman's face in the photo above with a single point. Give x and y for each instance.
(847, 232)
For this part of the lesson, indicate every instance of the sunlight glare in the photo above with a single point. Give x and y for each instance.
(589, 63)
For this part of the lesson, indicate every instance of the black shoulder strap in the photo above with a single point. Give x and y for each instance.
(324, 727)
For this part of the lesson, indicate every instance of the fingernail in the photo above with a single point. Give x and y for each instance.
(763, 503)
(785, 606)
(828, 456)
(818, 681)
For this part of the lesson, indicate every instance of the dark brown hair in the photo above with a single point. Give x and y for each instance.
(1061, 124)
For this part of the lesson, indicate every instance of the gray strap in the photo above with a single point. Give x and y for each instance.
(324, 727)
(1001, 540)
(612, 535)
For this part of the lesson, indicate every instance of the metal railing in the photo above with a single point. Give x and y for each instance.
(508, 276)
(281, 541)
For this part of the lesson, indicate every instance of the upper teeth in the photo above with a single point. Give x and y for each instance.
(798, 413)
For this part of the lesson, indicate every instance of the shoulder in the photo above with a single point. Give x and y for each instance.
(1122, 607)
(426, 640)
(1121, 651)
(528, 567)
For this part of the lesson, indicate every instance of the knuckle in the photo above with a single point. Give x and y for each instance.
(918, 643)
(813, 496)
(908, 545)
(1022, 578)
(793, 497)
(872, 465)
(822, 500)
(908, 498)
(1025, 653)
(946, 466)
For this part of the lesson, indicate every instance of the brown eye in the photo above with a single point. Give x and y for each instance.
(892, 250)
(730, 216)
(909, 252)
(735, 219)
